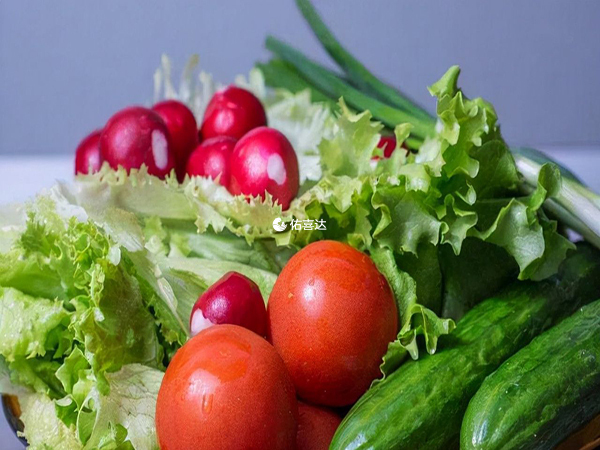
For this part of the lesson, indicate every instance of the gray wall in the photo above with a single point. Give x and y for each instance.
(65, 66)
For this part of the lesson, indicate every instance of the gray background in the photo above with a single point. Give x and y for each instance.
(66, 66)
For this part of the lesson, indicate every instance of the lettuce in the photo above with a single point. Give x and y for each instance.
(42, 428)
(122, 420)
(93, 304)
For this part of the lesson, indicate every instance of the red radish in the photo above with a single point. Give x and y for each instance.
(183, 130)
(316, 427)
(265, 161)
(211, 159)
(388, 145)
(232, 112)
(87, 155)
(234, 299)
(136, 136)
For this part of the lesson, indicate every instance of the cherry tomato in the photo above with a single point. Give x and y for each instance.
(226, 388)
(316, 427)
(331, 316)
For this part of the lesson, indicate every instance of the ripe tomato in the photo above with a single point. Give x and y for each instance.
(331, 317)
(226, 388)
(316, 427)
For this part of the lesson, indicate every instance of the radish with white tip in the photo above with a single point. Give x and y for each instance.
(136, 136)
(183, 131)
(235, 300)
(265, 161)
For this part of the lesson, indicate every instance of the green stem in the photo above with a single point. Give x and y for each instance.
(574, 204)
(280, 74)
(357, 73)
(332, 85)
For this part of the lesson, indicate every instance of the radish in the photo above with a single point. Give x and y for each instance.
(265, 161)
(234, 299)
(183, 130)
(136, 136)
(211, 159)
(87, 155)
(388, 145)
(232, 112)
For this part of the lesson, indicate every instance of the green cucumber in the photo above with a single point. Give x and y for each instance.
(543, 393)
(421, 405)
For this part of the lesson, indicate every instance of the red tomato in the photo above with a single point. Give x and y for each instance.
(316, 427)
(226, 388)
(331, 317)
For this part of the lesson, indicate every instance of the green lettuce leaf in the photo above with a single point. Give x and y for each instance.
(29, 326)
(350, 149)
(415, 319)
(124, 419)
(43, 429)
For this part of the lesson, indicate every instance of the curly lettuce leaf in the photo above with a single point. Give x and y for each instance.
(29, 326)
(350, 149)
(43, 429)
(123, 419)
(415, 319)
(520, 227)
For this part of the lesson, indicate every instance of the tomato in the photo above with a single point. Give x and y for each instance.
(226, 388)
(331, 316)
(316, 427)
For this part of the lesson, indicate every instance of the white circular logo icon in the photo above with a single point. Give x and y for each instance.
(279, 225)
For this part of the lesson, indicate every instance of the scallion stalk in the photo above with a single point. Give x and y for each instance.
(356, 72)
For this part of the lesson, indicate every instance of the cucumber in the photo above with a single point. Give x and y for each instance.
(543, 393)
(421, 405)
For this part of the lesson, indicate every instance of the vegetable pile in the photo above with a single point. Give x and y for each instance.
(302, 259)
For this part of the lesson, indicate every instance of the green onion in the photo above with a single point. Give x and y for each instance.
(574, 205)
(357, 73)
(280, 74)
(329, 83)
